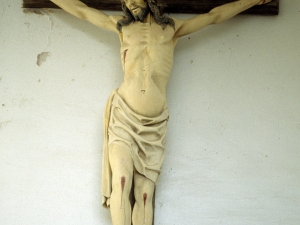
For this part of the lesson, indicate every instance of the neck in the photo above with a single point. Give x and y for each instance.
(148, 18)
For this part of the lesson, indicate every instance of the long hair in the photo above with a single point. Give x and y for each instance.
(162, 20)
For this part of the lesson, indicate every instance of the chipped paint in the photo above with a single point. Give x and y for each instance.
(41, 58)
(51, 24)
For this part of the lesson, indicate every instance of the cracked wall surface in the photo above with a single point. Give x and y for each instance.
(42, 57)
(234, 130)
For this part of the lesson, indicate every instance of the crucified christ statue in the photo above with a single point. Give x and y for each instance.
(136, 114)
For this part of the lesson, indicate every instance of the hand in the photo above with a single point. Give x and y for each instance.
(262, 2)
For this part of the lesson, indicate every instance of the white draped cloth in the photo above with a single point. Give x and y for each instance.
(145, 137)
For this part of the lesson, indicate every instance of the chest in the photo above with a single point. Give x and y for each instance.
(139, 33)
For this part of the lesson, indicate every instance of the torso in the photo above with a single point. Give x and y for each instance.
(147, 58)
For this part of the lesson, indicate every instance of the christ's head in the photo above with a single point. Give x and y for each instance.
(138, 10)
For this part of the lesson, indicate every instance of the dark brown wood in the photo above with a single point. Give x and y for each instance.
(168, 6)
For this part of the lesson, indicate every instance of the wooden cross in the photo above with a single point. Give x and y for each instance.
(168, 6)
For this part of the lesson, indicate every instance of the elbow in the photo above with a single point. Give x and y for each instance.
(215, 17)
(81, 14)
(218, 19)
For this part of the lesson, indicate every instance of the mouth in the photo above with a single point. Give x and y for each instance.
(134, 9)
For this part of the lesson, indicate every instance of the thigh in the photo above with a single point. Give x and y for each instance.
(120, 160)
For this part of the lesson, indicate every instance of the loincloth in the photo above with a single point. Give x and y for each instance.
(145, 137)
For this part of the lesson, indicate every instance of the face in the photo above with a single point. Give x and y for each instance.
(138, 8)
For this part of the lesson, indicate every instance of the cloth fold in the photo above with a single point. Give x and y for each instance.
(145, 137)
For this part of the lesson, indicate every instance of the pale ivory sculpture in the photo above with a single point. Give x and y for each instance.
(136, 114)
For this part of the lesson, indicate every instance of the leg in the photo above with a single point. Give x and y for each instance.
(143, 193)
(122, 173)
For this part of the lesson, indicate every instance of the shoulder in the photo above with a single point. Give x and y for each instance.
(115, 18)
(178, 23)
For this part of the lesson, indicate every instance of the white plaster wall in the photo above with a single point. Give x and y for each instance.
(233, 146)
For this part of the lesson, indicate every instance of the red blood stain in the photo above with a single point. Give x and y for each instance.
(145, 198)
(123, 179)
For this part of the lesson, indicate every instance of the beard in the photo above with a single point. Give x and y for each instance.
(152, 8)
(142, 14)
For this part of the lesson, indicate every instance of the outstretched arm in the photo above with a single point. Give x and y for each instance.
(82, 11)
(216, 15)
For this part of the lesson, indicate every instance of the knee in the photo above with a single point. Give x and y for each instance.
(143, 195)
(122, 183)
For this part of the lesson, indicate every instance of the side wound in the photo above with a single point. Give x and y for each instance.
(125, 53)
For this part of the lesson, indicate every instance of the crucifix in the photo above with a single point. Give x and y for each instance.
(136, 114)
